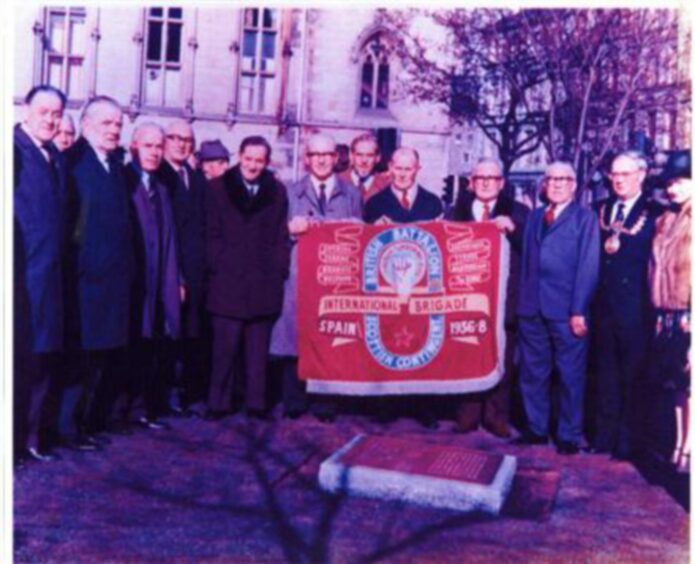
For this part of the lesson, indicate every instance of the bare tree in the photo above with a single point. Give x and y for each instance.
(570, 81)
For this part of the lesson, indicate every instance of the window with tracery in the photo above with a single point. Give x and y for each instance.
(374, 73)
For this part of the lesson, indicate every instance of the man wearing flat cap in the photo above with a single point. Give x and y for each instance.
(213, 158)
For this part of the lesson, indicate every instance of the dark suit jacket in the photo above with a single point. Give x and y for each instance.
(247, 246)
(39, 207)
(518, 213)
(189, 216)
(559, 267)
(157, 273)
(425, 207)
(623, 289)
(100, 250)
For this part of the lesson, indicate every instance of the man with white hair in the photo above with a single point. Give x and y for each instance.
(559, 272)
(623, 315)
(100, 255)
(187, 188)
(317, 197)
(157, 291)
(66, 135)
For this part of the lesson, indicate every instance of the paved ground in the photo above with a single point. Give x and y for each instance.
(235, 491)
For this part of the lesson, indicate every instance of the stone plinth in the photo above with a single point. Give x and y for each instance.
(428, 474)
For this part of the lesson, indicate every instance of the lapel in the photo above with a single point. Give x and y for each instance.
(504, 206)
(636, 211)
(564, 217)
(27, 145)
(306, 190)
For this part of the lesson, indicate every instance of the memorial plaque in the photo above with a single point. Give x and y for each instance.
(430, 474)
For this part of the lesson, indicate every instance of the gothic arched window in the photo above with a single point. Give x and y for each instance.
(374, 73)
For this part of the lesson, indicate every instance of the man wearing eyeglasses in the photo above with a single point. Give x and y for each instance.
(485, 201)
(627, 219)
(186, 188)
(317, 197)
(559, 273)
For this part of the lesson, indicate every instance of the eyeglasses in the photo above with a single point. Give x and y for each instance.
(179, 139)
(319, 155)
(487, 178)
(558, 179)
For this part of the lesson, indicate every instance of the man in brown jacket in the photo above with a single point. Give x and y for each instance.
(364, 156)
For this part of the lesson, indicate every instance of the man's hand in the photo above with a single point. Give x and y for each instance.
(504, 224)
(578, 325)
(298, 225)
(183, 293)
(383, 220)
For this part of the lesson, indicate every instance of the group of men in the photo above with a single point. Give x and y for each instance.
(124, 273)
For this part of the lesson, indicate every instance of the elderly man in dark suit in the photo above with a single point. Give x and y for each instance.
(248, 254)
(39, 207)
(559, 273)
(623, 313)
(158, 287)
(319, 196)
(405, 200)
(100, 258)
(487, 202)
(187, 188)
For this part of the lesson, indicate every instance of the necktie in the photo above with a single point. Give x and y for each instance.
(362, 185)
(51, 165)
(405, 202)
(549, 215)
(253, 189)
(486, 211)
(620, 216)
(184, 177)
(322, 199)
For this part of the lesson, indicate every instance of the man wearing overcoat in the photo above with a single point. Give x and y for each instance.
(319, 196)
(39, 208)
(248, 258)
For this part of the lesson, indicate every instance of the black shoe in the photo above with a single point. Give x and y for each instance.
(293, 413)
(41, 456)
(530, 438)
(82, 444)
(121, 428)
(623, 455)
(214, 415)
(153, 424)
(180, 412)
(567, 448)
(428, 421)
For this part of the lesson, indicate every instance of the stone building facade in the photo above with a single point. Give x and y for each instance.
(281, 73)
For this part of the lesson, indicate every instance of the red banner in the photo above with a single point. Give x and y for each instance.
(401, 309)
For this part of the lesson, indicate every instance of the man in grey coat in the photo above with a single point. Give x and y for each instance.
(319, 196)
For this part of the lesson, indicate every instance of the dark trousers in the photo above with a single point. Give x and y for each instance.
(491, 407)
(100, 379)
(151, 367)
(621, 345)
(228, 335)
(545, 344)
(34, 373)
(192, 369)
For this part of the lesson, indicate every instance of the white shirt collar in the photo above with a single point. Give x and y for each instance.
(412, 193)
(479, 207)
(329, 182)
(559, 208)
